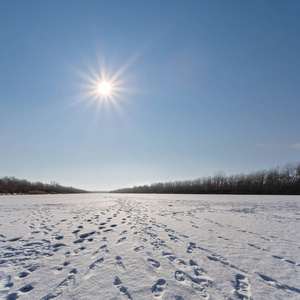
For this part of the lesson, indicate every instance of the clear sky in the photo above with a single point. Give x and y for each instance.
(201, 87)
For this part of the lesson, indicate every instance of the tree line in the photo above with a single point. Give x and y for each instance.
(12, 185)
(276, 181)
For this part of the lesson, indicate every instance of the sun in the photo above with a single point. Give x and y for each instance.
(104, 88)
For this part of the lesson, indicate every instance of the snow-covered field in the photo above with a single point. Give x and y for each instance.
(113, 246)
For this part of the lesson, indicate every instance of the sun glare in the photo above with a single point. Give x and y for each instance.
(104, 88)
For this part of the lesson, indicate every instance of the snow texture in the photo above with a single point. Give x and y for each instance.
(124, 246)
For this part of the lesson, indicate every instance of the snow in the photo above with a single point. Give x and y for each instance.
(125, 246)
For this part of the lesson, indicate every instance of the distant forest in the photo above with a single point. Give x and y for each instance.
(277, 181)
(12, 185)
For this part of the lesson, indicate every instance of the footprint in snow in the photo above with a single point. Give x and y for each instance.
(290, 261)
(87, 234)
(199, 271)
(15, 239)
(59, 289)
(5, 283)
(93, 266)
(198, 283)
(180, 262)
(12, 296)
(159, 287)
(154, 262)
(191, 247)
(278, 285)
(26, 288)
(32, 268)
(193, 263)
(35, 232)
(102, 248)
(122, 289)
(242, 287)
(138, 249)
(121, 240)
(179, 276)
(173, 237)
(217, 258)
(23, 274)
(58, 245)
(119, 262)
(169, 255)
(73, 271)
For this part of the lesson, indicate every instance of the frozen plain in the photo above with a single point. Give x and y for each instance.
(125, 246)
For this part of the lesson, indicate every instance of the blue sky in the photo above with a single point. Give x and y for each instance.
(207, 86)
